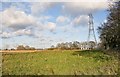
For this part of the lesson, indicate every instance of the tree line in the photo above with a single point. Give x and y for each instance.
(21, 47)
(74, 45)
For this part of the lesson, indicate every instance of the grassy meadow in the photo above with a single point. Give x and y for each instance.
(64, 62)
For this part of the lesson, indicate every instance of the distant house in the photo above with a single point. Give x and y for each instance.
(87, 45)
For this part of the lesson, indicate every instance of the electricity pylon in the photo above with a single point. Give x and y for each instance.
(91, 29)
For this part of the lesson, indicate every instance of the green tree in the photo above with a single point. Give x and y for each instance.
(91, 45)
(20, 47)
(110, 30)
(27, 47)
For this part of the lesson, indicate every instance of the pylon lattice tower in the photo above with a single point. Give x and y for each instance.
(91, 29)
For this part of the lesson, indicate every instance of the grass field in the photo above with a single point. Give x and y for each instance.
(65, 62)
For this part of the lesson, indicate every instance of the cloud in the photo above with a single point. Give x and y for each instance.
(74, 23)
(80, 20)
(16, 19)
(23, 32)
(40, 7)
(15, 33)
(51, 26)
(62, 19)
(17, 22)
(85, 7)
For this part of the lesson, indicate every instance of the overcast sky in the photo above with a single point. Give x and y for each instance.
(42, 24)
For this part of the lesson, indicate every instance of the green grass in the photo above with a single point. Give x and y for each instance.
(60, 63)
